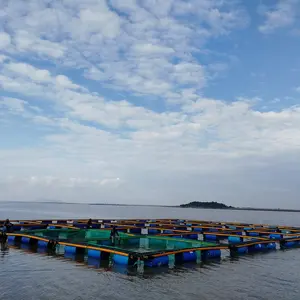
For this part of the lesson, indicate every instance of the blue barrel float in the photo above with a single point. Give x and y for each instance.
(135, 230)
(70, 250)
(189, 256)
(213, 253)
(95, 262)
(276, 236)
(157, 261)
(271, 246)
(94, 253)
(248, 228)
(42, 244)
(11, 238)
(231, 227)
(234, 239)
(209, 237)
(253, 233)
(120, 259)
(25, 240)
(262, 247)
(289, 244)
(192, 236)
(242, 250)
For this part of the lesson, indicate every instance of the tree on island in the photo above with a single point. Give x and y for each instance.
(212, 204)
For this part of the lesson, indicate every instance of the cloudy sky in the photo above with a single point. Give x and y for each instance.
(150, 101)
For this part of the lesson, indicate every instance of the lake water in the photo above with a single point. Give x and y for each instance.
(24, 275)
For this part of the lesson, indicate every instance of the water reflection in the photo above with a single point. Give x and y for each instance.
(4, 250)
(108, 265)
(4, 246)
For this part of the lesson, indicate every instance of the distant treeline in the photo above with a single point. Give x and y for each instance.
(212, 204)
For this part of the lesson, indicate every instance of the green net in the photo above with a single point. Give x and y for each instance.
(74, 235)
(148, 244)
(57, 234)
(124, 242)
(102, 234)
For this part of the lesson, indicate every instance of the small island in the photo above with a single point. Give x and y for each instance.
(212, 204)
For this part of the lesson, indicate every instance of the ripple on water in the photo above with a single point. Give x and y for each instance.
(26, 275)
(261, 276)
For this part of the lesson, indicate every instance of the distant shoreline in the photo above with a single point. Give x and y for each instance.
(153, 205)
(266, 209)
(218, 205)
(249, 209)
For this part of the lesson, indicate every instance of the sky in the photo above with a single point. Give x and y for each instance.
(150, 101)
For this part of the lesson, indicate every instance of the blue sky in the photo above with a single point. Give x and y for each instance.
(150, 101)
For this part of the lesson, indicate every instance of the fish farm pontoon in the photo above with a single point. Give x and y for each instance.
(149, 243)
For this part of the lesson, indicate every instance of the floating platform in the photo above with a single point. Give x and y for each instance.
(150, 243)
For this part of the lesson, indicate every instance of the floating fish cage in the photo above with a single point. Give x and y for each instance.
(150, 243)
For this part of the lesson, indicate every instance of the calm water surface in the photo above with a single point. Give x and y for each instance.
(24, 275)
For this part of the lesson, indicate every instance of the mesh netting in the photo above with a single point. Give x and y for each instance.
(102, 234)
(58, 234)
(148, 244)
(74, 235)
(124, 242)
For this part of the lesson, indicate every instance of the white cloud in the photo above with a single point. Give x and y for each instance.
(211, 138)
(124, 50)
(29, 71)
(111, 99)
(4, 40)
(283, 15)
(23, 86)
(2, 58)
(65, 82)
(206, 139)
(12, 104)
(220, 16)
(29, 80)
(28, 42)
(145, 49)
(99, 19)
(159, 8)
(66, 182)
(189, 73)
